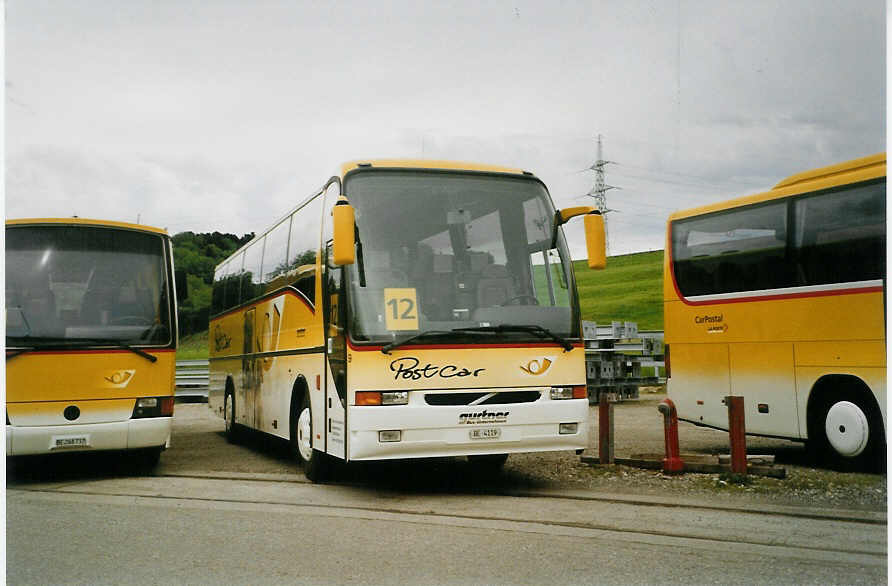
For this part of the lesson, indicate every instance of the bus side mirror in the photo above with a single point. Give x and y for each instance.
(595, 241)
(182, 285)
(344, 223)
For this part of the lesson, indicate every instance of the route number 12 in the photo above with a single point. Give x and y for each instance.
(401, 309)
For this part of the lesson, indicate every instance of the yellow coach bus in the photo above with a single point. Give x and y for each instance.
(780, 298)
(407, 309)
(90, 337)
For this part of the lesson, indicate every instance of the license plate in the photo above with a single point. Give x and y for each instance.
(70, 441)
(485, 433)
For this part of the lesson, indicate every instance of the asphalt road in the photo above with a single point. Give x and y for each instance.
(207, 530)
(217, 513)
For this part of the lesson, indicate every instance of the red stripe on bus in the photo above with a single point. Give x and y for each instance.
(460, 346)
(774, 297)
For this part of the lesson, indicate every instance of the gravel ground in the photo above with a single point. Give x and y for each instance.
(198, 444)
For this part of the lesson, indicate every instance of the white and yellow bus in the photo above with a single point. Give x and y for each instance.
(90, 337)
(407, 309)
(780, 298)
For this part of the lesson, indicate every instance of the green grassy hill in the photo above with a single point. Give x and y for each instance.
(629, 289)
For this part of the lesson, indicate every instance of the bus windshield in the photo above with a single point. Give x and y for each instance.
(443, 251)
(85, 285)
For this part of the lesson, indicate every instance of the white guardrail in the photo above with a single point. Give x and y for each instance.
(192, 379)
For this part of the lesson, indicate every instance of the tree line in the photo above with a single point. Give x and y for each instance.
(197, 255)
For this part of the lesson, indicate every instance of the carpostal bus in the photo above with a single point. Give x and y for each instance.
(779, 297)
(407, 309)
(90, 337)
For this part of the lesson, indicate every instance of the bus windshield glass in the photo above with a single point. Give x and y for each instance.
(443, 251)
(85, 285)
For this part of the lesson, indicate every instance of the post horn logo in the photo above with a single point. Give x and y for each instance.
(120, 378)
(536, 367)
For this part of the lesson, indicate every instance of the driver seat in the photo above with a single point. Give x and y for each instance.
(494, 287)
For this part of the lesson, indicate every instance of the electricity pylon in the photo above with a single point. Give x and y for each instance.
(599, 191)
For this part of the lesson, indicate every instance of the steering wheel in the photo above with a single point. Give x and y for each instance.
(130, 320)
(511, 301)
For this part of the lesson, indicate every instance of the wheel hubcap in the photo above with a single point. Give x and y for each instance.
(847, 429)
(304, 435)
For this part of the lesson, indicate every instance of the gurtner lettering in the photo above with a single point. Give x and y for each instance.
(483, 417)
(708, 319)
(407, 369)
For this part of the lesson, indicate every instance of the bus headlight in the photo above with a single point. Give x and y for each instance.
(366, 398)
(395, 398)
(574, 392)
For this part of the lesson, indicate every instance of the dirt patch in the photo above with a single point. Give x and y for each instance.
(638, 429)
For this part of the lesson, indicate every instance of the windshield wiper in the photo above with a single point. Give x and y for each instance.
(360, 262)
(39, 343)
(136, 351)
(536, 330)
(386, 348)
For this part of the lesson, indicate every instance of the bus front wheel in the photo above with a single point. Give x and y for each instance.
(848, 435)
(314, 462)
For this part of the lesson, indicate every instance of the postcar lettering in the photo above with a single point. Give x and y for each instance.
(408, 368)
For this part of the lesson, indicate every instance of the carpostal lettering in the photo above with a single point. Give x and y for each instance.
(408, 369)
(483, 417)
(708, 319)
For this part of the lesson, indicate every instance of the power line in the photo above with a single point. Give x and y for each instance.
(708, 181)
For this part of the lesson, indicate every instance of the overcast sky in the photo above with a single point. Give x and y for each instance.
(213, 115)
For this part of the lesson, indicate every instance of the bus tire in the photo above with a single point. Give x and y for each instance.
(846, 432)
(232, 430)
(315, 463)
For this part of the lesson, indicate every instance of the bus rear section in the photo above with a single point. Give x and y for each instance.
(780, 298)
(90, 337)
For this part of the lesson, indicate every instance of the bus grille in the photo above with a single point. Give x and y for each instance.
(497, 398)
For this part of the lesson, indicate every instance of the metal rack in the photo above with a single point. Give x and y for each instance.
(614, 357)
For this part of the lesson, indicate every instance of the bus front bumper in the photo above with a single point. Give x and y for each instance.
(430, 432)
(119, 435)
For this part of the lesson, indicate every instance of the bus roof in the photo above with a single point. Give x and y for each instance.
(864, 163)
(86, 222)
(853, 171)
(428, 164)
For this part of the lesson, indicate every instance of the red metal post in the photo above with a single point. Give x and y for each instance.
(672, 463)
(737, 433)
(605, 429)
